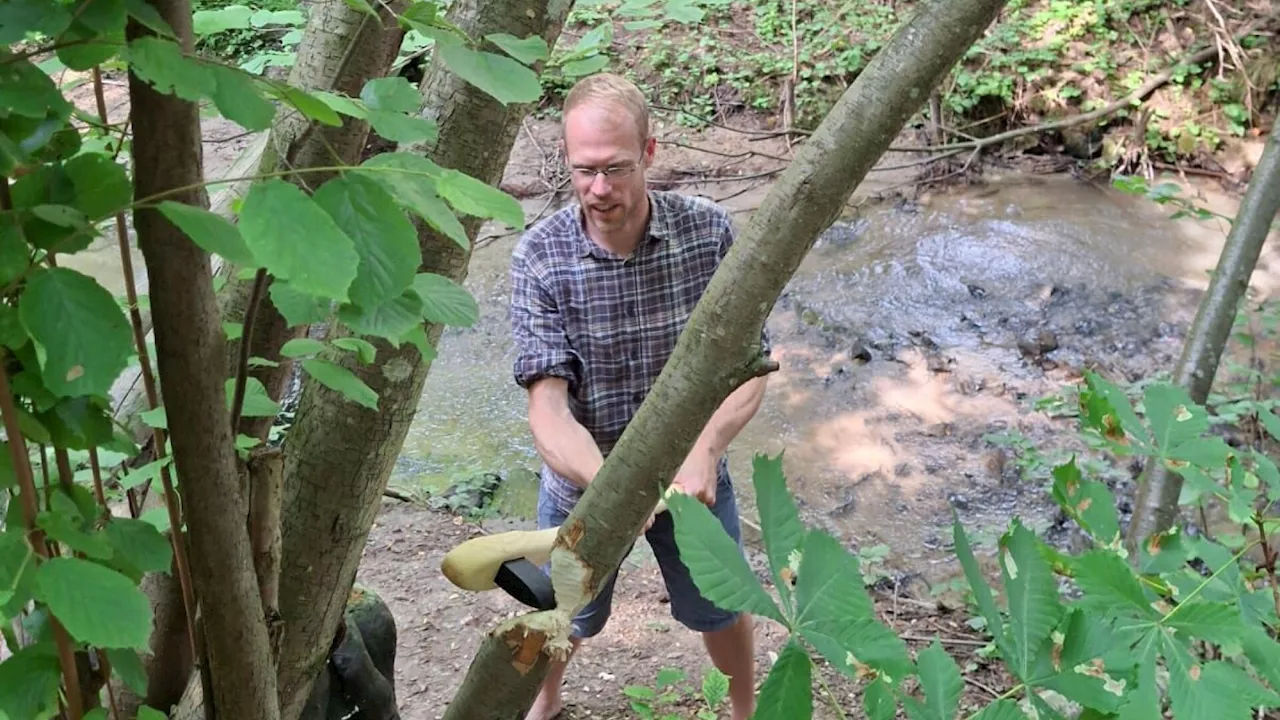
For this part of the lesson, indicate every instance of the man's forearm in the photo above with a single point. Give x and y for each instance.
(564, 444)
(729, 419)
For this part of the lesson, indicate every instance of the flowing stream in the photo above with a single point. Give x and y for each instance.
(913, 339)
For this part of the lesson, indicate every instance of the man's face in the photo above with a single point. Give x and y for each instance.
(603, 137)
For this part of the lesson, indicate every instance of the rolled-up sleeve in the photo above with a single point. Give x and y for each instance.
(727, 237)
(537, 329)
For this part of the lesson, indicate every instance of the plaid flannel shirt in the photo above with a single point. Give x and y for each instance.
(608, 323)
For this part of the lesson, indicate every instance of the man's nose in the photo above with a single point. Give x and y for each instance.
(600, 183)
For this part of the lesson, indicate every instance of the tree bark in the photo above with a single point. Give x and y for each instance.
(1156, 504)
(190, 356)
(339, 455)
(719, 348)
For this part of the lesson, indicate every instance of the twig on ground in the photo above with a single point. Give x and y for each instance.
(981, 686)
(756, 134)
(945, 640)
(732, 156)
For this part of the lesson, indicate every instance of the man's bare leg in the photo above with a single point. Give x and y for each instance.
(549, 702)
(733, 652)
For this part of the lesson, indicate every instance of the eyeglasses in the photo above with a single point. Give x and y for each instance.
(613, 172)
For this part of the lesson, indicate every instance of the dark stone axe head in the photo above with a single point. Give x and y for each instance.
(527, 583)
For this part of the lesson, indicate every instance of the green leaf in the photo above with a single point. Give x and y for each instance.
(1219, 623)
(1210, 690)
(394, 94)
(17, 567)
(25, 90)
(1270, 421)
(501, 77)
(257, 403)
(85, 336)
(468, 195)
(1163, 552)
(418, 338)
(146, 713)
(1109, 586)
(297, 307)
(19, 17)
(787, 691)
(100, 16)
(978, 584)
(444, 301)
(14, 259)
(528, 50)
(102, 185)
(715, 687)
(298, 347)
(1174, 417)
(684, 11)
(211, 22)
(412, 180)
(147, 15)
(779, 521)
(878, 700)
(585, 66)
(714, 560)
(237, 97)
(1105, 409)
(65, 524)
(362, 348)
(941, 682)
(212, 232)
(1034, 607)
(97, 605)
(297, 240)
(29, 683)
(139, 547)
(391, 320)
(307, 104)
(341, 380)
(383, 237)
(1090, 503)
(401, 128)
(161, 63)
(1263, 653)
(128, 665)
(77, 423)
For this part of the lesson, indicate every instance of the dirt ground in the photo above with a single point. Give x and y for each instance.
(440, 627)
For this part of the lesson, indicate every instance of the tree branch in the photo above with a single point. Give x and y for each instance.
(1156, 504)
(190, 350)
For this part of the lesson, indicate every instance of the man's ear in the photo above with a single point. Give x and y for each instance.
(650, 147)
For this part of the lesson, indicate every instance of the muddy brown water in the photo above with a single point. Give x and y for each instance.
(914, 335)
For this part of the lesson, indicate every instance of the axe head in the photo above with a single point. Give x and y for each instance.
(526, 582)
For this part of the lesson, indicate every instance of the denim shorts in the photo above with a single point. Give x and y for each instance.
(688, 607)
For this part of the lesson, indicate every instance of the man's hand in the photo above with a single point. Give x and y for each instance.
(697, 477)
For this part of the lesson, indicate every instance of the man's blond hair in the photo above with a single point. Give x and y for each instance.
(611, 88)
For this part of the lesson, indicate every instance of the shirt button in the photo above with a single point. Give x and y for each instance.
(638, 397)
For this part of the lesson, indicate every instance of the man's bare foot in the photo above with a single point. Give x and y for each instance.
(547, 706)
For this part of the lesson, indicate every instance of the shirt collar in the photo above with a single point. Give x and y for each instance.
(661, 227)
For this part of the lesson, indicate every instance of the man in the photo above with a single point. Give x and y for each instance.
(600, 293)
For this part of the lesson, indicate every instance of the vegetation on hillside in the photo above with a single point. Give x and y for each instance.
(1043, 61)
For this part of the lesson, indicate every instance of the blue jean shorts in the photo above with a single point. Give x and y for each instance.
(688, 606)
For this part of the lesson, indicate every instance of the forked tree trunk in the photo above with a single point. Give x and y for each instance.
(342, 49)
(1156, 504)
(719, 348)
(340, 455)
(190, 362)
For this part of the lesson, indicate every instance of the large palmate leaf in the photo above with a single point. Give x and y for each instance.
(940, 679)
(779, 523)
(714, 560)
(787, 691)
(1034, 607)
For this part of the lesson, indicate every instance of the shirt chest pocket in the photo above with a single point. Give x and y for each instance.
(597, 330)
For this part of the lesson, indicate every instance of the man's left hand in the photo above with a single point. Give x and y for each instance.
(697, 477)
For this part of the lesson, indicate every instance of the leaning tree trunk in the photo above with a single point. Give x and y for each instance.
(190, 360)
(342, 49)
(719, 348)
(1156, 504)
(339, 456)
